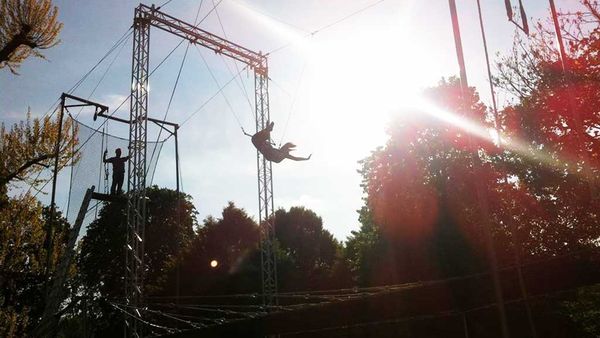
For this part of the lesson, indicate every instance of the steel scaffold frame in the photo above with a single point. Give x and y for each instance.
(136, 183)
(144, 18)
(266, 214)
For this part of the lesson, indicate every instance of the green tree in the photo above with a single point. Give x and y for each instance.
(28, 147)
(232, 242)
(556, 174)
(102, 256)
(553, 205)
(310, 257)
(23, 221)
(421, 212)
(26, 27)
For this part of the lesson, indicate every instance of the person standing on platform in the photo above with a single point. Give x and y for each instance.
(118, 164)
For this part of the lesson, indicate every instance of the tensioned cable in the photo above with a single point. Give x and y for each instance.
(387, 288)
(187, 47)
(322, 28)
(168, 109)
(128, 96)
(451, 312)
(487, 62)
(169, 329)
(150, 74)
(240, 83)
(222, 87)
(296, 27)
(291, 111)
(78, 83)
(209, 12)
(123, 43)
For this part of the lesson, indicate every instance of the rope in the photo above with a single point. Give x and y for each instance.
(291, 111)
(240, 83)
(82, 79)
(327, 26)
(187, 47)
(127, 98)
(106, 71)
(221, 87)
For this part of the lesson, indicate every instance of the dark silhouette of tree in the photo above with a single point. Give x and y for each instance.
(421, 210)
(102, 261)
(308, 257)
(26, 27)
(311, 258)
(232, 242)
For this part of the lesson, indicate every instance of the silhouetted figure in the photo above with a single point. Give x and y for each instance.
(261, 142)
(118, 164)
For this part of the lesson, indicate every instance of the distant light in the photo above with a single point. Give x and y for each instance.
(214, 263)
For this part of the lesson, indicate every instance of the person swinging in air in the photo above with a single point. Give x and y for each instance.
(261, 141)
(118, 164)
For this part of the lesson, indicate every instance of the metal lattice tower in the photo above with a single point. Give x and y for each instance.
(136, 184)
(144, 18)
(266, 215)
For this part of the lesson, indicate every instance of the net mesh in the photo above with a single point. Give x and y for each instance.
(89, 170)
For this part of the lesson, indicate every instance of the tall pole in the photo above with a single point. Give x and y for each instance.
(516, 242)
(50, 230)
(177, 292)
(484, 211)
(458, 43)
(561, 45)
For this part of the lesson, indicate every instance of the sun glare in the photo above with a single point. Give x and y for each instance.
(294, 37)
(357, 80)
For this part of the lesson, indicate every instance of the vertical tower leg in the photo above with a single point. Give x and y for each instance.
(136, 184)
(265, 196)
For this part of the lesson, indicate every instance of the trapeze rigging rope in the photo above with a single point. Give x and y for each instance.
(322, 28)
(127, 98)
(187, 47)
(221, 91)
(291, 111)
(240, 83)
(85, 76)
(71, 90)
(105, 71)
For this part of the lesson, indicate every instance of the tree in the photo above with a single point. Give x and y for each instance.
(102, 257)
(421, 212)
(232, 243)
(29, 147)
(310, 258)
(557, 122)
(23, 261)
(26, 26)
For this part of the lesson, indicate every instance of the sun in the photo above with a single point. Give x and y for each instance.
(358, 80)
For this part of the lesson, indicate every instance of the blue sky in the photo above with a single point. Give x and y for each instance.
(337, 88)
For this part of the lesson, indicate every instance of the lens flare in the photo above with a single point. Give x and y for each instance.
(493, 136)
